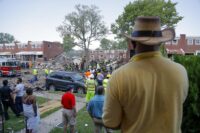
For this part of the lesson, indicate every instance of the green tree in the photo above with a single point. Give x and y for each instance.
(119, 44)
(68, 43)
(105, 44)
(85, 25)
(6, 38)
(164, 9)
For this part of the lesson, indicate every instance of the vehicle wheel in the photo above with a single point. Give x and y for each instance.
(80, 90)
(52, 88)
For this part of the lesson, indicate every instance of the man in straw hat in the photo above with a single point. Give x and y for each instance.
(147, 94)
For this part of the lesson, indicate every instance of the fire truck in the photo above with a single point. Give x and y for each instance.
(9, 67)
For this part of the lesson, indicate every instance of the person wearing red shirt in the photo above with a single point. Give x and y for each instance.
(69, 110)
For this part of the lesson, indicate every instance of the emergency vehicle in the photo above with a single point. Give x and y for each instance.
(9, 67)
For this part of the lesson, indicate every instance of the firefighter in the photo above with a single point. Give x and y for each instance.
(90, 85)
(105, 81)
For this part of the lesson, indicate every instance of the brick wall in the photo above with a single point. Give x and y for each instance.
(52, 49)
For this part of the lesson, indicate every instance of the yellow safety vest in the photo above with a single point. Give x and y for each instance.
(46, 71)
(90, 84)
(35, 72)
(105, 83)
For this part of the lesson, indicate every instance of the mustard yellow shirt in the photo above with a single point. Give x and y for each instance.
(146, 95)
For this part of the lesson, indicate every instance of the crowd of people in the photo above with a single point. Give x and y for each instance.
(21, 102)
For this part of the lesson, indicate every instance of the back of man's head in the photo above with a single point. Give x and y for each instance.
(5, 82)
(29, 91)
(19, 80)
(100, 90)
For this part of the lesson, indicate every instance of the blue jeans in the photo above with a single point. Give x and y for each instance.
(19, 106)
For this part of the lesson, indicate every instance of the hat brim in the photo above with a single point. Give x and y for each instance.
(167, 35)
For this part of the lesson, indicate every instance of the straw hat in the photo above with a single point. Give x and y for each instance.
(147, 30)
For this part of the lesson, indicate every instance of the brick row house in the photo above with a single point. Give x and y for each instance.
(31, 51)
(105, 55)
(183, 45)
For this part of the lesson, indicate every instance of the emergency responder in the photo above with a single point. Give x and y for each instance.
(46, 71)
(87, 73)
(35, 74)
(105, 81)
(90, 85)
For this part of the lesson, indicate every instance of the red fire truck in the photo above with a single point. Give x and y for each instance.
(9, 67)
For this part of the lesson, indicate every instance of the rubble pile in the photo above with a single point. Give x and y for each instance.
(58, 64)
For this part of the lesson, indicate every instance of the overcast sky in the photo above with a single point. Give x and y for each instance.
(36, 20)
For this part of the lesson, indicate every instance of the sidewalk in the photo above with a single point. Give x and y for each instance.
(51, 121)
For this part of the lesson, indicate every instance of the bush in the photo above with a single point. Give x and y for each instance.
(191, 111)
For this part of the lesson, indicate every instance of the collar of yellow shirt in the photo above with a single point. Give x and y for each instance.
(145, 55)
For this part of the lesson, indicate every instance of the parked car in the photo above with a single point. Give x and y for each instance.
(62, 80)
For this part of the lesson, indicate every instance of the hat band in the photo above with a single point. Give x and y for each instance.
(146, 33)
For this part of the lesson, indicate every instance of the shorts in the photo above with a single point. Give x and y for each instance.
(68, 117)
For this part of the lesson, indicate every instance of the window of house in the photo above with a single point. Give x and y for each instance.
(175, 42)
(190, 41)
(40, 56)
(49, 46)
(197, 41)
(33, 46)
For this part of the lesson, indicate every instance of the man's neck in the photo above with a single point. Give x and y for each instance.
(140, 48)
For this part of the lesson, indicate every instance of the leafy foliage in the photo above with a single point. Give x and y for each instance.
(68, 43)
(191, 114)
(85, 25)
(107, 44)
(164, 9)
(6, 38)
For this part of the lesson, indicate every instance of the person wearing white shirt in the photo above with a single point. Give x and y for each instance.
(19, 90)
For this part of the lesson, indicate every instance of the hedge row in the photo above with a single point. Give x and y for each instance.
(191, 114)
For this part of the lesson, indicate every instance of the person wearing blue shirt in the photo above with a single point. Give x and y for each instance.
(95, 110)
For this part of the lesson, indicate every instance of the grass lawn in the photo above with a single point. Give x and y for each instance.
(41, 100)
(56, 92)
(82, 119)
(18, 123)
(49, 112)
